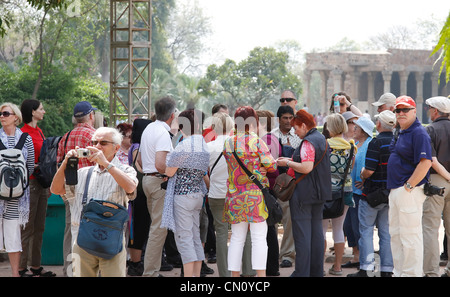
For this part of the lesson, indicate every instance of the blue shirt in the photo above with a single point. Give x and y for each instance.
(413, 144)
(360, 159)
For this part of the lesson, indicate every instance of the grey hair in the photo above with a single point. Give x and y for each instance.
(117, 137)
(164, 108)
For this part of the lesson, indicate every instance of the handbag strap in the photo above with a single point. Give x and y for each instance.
(304, 175)
(252, 177)
(215, 163)
(86, 186)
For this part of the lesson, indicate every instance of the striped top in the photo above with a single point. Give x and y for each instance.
(11, 211)
(376, 160)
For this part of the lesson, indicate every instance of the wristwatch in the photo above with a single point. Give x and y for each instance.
(408, 186)
(111, 165)
(287, 163)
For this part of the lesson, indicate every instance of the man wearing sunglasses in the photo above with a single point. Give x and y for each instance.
(407, 172)
(111, 181)
(288, 98)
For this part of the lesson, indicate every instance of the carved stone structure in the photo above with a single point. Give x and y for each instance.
(365, 76)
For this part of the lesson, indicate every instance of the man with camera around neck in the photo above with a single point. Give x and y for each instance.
(435, 206)
(408, 171)
(110, 181)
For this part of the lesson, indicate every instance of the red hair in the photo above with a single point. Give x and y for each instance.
(303, 117)
(245, 112)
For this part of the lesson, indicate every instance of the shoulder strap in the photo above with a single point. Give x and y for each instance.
(86, 186)
(19, 145)
(65, 142)
(252, 177)
(215, 163)
(348, 165)
(324, 153)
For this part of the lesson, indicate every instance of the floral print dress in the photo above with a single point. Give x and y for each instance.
(245, 201)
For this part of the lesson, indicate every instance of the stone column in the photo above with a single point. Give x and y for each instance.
(323, 90)
(434, 84)
(337, 80)
(355, 84)
(403, 83)
(370, 88)
(419, 98)
(306, 93)
(387, 77)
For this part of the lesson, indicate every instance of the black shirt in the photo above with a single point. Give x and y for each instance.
(377, 157)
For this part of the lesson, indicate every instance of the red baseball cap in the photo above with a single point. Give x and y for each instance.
(405, 101)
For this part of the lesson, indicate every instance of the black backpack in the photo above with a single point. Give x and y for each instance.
(47, 161)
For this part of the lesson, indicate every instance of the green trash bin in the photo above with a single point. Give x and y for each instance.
(52, 241)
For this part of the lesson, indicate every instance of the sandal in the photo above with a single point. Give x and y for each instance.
(38, 272)
(23, 273)
(334, 272)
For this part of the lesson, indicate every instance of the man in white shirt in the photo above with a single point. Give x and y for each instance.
(155, 145)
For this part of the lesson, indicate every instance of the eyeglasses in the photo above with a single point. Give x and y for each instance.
(6, 114)
(404, 110)
(282, 100)
(102, 142)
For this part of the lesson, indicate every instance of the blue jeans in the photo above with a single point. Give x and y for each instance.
(368, 218)
(351, 223)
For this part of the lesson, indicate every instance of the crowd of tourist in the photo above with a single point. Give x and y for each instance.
(183, 180)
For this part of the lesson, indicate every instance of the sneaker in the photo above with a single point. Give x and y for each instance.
(135, 268)
(386, 274)
(360, 273)
(285, 263)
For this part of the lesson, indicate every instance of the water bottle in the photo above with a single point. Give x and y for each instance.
(336, 102)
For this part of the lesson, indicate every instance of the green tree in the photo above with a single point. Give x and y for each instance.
(444, 45)
(256, 81)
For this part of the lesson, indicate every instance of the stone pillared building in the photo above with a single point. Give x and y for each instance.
(365, 76)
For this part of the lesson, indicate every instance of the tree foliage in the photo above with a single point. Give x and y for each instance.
(255, 81)
(444, 45)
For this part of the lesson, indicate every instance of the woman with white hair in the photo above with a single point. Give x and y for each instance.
(14, 213)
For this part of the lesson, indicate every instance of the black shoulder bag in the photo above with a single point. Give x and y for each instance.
(273, 208)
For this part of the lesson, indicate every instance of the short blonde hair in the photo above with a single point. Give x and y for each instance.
(222, 123)
(336, 124)
(16, 111)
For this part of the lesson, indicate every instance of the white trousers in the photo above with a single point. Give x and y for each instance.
(258, 232)
(405, 228)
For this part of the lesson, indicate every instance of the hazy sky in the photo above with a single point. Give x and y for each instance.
(240, 25)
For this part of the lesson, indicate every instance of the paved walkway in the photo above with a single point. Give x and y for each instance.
(5, 270)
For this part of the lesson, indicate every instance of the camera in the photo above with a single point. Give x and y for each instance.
(430, 190)
(83, 153)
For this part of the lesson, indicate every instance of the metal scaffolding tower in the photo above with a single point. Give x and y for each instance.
(130, 60)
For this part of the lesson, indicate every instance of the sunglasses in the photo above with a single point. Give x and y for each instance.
(102, 142)
(282, 100)
(404, 110)
(6, 114)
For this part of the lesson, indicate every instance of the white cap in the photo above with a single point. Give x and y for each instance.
(387, 117)
(440, 103)
(384, 99)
